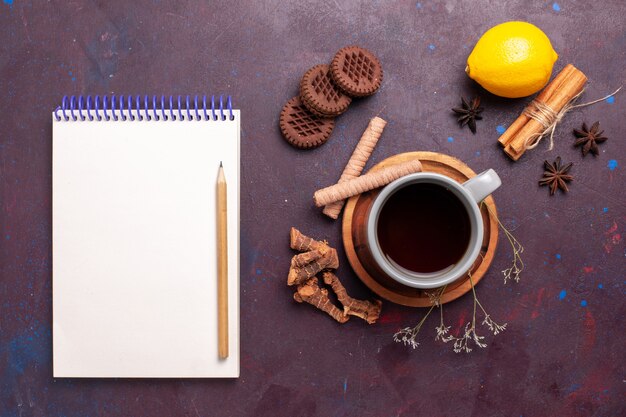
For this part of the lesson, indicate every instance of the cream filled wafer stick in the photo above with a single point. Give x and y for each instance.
(365, 182)
(357, 161)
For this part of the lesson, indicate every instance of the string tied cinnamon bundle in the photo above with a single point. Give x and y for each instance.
(542, 113)
(545, 112)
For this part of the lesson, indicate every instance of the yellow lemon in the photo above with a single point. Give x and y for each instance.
(513, 59)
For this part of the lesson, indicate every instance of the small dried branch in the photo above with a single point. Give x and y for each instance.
(514, 271)
(492, 325)
(408, 335)
(442, 330)
(463, 343)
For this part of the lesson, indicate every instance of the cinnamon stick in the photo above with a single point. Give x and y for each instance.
(365, 182)
(571, 87)
(522, 133)
(543, 96)
(358, 160)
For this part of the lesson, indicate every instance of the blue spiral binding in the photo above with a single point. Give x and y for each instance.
(89, 108)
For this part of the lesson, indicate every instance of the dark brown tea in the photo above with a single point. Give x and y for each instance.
(423, 227)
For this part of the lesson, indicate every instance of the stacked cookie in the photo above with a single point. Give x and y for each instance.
(326, 91)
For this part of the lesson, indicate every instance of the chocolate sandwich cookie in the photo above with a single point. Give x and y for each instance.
(303, 129)
(320, 95)
(356, 71)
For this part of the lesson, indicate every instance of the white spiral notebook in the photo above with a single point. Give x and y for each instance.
(134, 237)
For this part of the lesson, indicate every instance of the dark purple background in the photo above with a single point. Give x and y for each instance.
(563, 351)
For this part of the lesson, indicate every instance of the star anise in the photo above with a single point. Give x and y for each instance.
(468, 113)
(589, 138)
(556, 175)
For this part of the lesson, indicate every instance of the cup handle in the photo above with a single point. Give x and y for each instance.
(482, 184)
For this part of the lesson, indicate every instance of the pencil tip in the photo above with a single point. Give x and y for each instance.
(220, 164)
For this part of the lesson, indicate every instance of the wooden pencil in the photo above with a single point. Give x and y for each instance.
(222, 265)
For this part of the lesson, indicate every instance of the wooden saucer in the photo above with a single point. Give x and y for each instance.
(414, 297)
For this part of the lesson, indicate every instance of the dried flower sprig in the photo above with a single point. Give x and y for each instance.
(463, 343)
(494, 327)
(408, 335)
(442, 330)
(514, 271)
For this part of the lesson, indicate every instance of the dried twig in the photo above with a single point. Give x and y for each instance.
(514, 271)
(408, 335)
(463, 343)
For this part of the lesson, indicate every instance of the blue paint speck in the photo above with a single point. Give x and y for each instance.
(583, 303)
(7, 237)
(477, 153)
(612, 164)
(574, 387)
(562, 294)
(558, 256)
(450, 139)
(500, 129)
(600, 286)
(605, 210)
(431, 47)
(9, 2)
(259, 272)
(345, 385)
(556, 7)
(610, 100)
(26, 351)
(418, 5)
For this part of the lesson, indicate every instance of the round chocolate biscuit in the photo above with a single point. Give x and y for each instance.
(301, 128)
(320, 95)
(356, 71)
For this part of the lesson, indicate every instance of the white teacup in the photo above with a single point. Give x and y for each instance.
(470, 194)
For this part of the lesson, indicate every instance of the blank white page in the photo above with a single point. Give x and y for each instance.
(134, 247)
